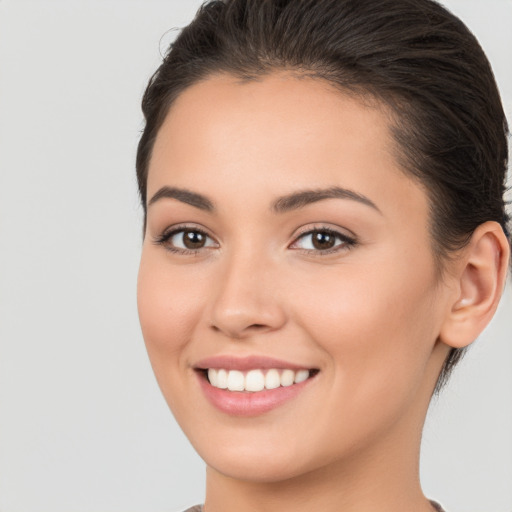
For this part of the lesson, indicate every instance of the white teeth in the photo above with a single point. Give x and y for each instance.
(222, 379)
(236, 381)
(255, 380)
(287, 378)
(212, 377)
(272, 379)
(301, 376)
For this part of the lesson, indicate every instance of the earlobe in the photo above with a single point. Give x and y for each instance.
(481, 279)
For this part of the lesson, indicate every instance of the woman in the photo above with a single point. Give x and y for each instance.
(325, 234)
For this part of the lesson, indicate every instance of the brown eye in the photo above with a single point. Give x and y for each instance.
(193, 239)
(186, 240)
(322, 240)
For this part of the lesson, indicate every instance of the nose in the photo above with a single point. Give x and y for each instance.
(246, 301)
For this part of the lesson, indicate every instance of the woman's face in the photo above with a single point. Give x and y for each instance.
(284, 242)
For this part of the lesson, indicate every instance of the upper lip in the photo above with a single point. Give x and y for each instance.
(228, 362)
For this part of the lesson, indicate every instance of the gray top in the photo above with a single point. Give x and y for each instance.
(199, 508)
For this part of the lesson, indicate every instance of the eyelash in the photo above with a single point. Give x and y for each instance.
(164, 238)
(347, 242)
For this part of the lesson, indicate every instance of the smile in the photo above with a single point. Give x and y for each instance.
(255, 380)
(253, 385)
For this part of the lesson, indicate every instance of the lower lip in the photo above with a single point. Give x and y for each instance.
(238, 403)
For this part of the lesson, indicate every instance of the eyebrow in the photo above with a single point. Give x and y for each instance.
(302, 198)
(293, 201)
(184, 196)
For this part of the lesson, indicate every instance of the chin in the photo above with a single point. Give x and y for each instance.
(264, 470)
(267, 459)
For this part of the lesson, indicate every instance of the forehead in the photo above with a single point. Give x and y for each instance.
(277, 134)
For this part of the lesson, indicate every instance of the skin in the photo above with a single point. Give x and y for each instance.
(375, 318)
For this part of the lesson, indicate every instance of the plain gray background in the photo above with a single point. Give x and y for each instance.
(83, 426)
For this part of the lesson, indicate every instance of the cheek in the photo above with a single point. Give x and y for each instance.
(378, 330)
(169, 305)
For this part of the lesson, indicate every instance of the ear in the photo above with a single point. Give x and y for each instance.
(480, 278)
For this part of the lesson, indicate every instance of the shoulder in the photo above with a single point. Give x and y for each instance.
(437, 506)
(199, 508)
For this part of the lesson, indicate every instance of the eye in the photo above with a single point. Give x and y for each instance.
(185, 240)
(323, 240)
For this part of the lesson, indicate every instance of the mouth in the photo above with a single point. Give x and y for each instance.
(252, 385)
(255, 380)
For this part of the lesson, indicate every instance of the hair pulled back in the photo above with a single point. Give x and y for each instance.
(412, 55)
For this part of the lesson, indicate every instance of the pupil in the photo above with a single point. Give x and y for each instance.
(193, 240)
(323, 240)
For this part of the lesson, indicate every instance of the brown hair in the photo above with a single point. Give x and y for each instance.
(413, 55)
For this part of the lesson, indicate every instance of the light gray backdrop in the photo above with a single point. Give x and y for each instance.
(82, 424)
